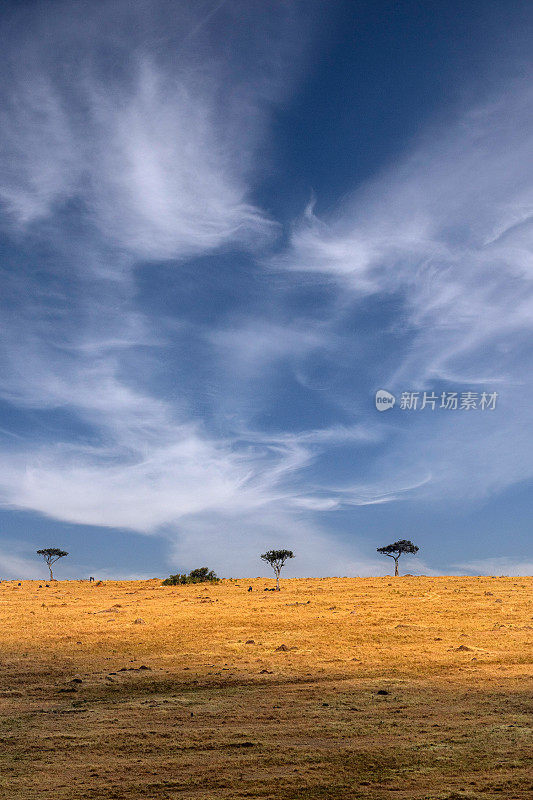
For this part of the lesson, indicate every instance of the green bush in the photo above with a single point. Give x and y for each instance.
(202, 575)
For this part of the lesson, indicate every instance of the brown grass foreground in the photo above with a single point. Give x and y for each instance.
(408, 688)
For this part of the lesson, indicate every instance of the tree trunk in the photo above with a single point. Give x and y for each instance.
(277, 581)
(396, 573)
(51, 575)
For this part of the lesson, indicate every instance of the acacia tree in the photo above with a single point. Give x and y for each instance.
(51, 555)
(395, 550)
(276, 559)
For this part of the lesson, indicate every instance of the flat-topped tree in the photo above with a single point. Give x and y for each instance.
(395, 550)
(51, 555)
(276, 559)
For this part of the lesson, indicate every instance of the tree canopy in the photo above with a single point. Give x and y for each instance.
(276, 559)
(51, 555)
(396, 549)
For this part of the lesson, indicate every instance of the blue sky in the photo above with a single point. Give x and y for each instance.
(225, 226)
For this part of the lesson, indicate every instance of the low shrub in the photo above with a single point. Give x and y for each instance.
(202, 575)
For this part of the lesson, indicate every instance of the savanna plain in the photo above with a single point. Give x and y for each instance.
(413, 688)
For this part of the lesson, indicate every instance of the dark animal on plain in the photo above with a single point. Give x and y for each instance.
(250, 589)
(91, 579)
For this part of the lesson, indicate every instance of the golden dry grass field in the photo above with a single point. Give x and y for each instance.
(411, 688)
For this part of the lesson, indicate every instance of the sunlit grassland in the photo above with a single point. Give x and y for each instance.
(419, 687)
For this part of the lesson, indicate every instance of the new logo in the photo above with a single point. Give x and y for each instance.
(384, 400)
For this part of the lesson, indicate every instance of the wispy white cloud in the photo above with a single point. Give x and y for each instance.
(158, 150)
(335, 434)
(496, 566)
(448, 231)
(155, 157)
(14, 566)
(256, 344)
(450, 226)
